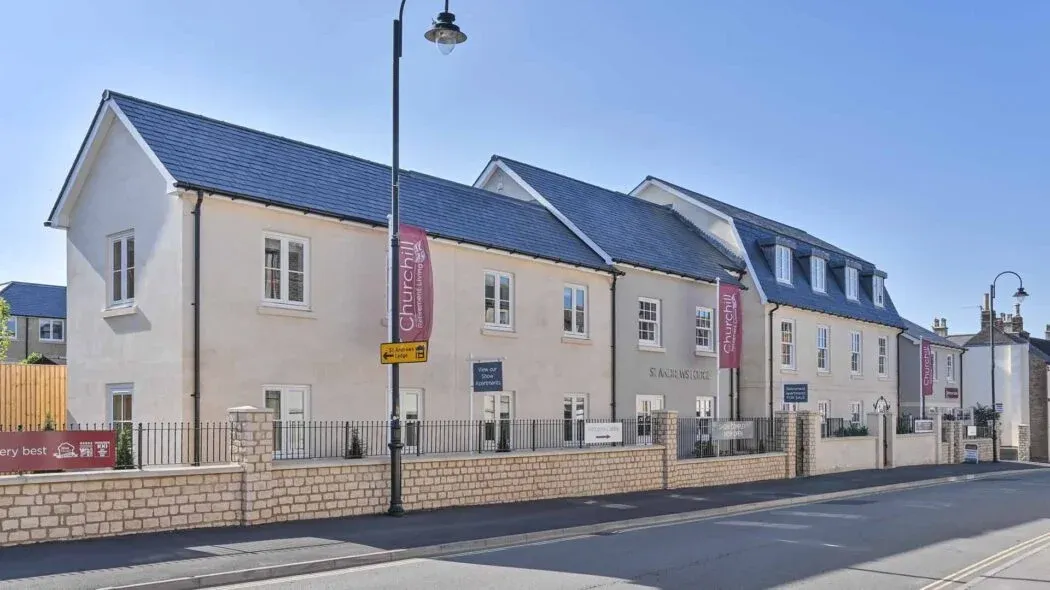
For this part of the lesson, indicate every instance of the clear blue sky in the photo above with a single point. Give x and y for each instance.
(914, 134)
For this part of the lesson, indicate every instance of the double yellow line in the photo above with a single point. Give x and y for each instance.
(986, 563)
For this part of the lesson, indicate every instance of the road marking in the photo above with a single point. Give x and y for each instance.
(693, 498)
(319, 575)
(961, 575)
(619, 506)
(768, 525)
(821, 514)
(1005, 566)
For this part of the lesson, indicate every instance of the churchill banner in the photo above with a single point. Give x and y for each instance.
(728, 326)
(927, 367)
(415, 306)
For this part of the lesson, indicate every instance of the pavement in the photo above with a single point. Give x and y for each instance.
(988, 534)
(147, 558)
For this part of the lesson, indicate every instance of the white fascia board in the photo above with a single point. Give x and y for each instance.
(497, 164)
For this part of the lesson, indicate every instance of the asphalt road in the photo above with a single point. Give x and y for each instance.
(992, 533)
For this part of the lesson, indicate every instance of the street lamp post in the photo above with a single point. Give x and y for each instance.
(1020, 297)
(446, 35)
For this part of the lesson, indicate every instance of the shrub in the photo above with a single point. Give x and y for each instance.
(49, 422)
(34, 359)
(504, 441)
(125, 458)
(854, 429)
(355, 450)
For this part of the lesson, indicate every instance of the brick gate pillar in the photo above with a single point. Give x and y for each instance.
(810, 435)
(665, 432)
(1024, 442)
(787, 438)
(253, 449)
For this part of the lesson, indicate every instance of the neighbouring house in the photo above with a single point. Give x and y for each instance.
(290, 244)
(665, 295)
(946, 368)
(37, 323)
(1021, 365)
(826, 323)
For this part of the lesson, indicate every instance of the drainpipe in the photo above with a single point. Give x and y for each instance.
(899, 373)
(730, 393)
(771, 353)
(961, 374)
(197, 328)
(737, 371)
(612, 348)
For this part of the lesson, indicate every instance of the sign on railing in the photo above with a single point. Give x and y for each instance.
(596, 433)
(732, 430)
(923, 426)
(54, 450)
(971, 453)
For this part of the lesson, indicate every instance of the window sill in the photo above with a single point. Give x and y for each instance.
(651, 348)
(116, 312)
(856, 376)
(287, 312)
(823, 373)
(884, 377)
(788, 371)
(705, 353)
(52, 341)
(566, 339)
(499, 332)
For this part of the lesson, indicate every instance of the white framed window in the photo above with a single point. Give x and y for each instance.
(411, 414)
(878, 291)
(286, 269)
(52, 330)
(787, 344)
(789, 407)
(852, 283)
(574, 415)
(818, 270)
(783, 260)
(856, 350)
(823, 352)
(706, 407)
(121, 275)
(574, 310)
(884, 355)
(497, 412)
(290, 405)
(648, 321)
(933, 363)
(949, 367)
(644, 406)
(11, 329)
(499, 300)
(705, 340)
(824, 407)
(855, 411)
(121, 412)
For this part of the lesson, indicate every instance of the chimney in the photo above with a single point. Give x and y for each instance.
(1047, 332)
(940, 327)
(1016, 321)
(985, 313)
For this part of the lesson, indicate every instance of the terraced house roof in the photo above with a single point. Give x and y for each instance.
(757, 231)
(227, 159)
(34, 300)
(916, 331)
(630, 230)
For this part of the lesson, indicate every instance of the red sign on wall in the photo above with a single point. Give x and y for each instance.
(53, 450)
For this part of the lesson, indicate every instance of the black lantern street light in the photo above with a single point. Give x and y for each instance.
(446, 35)
(1019, 296)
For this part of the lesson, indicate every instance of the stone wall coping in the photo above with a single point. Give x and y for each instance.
(846, 439)
(916, 435)
(249, 410)
(103, 475)
(709, 460)
(491, 456)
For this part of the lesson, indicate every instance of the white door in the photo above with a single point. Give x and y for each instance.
(705, 406)
(289, 428)
(411, 414)
(497, 411)
(645, 405)
(574, 413)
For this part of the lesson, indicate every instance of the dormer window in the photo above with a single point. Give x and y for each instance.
(852, 284)
(878, 291)
(783, 259)
(818, 274)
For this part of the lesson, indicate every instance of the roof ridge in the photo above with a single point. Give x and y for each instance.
(487, 193)
(299, 142)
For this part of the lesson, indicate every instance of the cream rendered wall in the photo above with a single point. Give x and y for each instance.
(1011, 384)
(910, 375)
(754, 361)
(122, 191)
(504, 185)
(701, 218)
(644, 371)
(333, 347)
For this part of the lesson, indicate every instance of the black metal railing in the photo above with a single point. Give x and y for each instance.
(345, 439)
(701, 438)
(977, 431)
(905, 424)
(839, 428)
(151, 444)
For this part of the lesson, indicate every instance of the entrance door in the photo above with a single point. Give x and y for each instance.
(574, 412)
(289, 428)
(411, 414)
(645, 405)
(497, 412)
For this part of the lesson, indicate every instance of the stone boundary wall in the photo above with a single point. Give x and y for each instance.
(916, 449)
(692, 473)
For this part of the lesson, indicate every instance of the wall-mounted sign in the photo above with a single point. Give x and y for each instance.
(402, 352)
(596, 433)
(971, 453)
(686, 374)
(951, 392)
(971, 432)
(999, 407)
(487, 376)
(732, 430)
(796, 393)
(923, 426)
(53, 450)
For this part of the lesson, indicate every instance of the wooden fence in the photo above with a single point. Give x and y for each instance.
(28, 393)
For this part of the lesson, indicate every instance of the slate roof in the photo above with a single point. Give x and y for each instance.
(630, 230)
(916, 331)
(1001, 337)
(960, 339)
(1042, 345)
(204, 153)
(755, 231)
(34, 300)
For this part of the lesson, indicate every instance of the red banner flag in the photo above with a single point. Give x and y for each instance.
(926, 354)
(415, 307)
(728, 326)
(53, 450)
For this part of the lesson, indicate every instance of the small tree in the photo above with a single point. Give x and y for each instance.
(504, 441)
(5, 337)
(125, 458)
(984, 415)
(49, 422)
(356, 450)
(34, 359)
